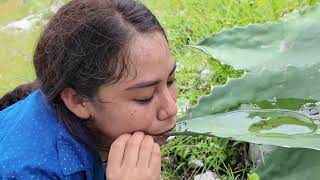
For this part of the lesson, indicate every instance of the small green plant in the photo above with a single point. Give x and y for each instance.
(253, 176)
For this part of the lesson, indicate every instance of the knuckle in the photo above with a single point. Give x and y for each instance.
(156, 154)
(156, 147)
(117, 144)
(145, 146)
(156, 150)
(120, 141)
(135, 139)
(122, 138)
(133, 142)
(149, 139)
(138, 134)
(147, 143)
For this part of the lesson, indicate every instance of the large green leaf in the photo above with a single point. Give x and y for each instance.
(290, 164)
(292, 84)
(267, 107)
(294, 40)
(267, 89)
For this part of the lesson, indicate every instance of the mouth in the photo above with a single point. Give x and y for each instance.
(161, 138)
(164, 133)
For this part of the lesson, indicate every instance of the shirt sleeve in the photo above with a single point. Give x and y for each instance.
(39, 174)
(28, 173)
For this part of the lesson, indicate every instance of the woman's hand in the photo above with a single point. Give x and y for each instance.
(134, 157)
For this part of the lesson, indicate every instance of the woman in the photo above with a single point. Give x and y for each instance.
(105, 92)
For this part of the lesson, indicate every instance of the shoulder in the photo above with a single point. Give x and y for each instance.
(28, 127)
(28, 139)
(34, 142)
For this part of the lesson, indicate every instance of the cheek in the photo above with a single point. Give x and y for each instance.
(143, 116)
(173, 92)
(138, 118)
(118, 120)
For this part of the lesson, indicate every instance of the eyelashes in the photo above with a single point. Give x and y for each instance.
(147, 100)
(144, 101)
(171, 82)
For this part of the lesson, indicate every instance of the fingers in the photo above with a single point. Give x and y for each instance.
(132, 150)
(117, 150)
(145, 152)
(155, 161)
(134, 157)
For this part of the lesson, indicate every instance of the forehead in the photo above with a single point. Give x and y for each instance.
(149, 57)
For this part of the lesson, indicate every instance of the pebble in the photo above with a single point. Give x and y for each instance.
(208, 175)
(206, 74)
(195, 163)
(24, 24)
(170, 138)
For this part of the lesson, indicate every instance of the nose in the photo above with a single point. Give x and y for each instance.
(168, 107)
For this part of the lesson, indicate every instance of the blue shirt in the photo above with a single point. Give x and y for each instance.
(35, 145)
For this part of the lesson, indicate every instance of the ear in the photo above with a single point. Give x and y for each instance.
(75, 103)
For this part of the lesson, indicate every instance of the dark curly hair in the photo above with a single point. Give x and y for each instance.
(83, 47)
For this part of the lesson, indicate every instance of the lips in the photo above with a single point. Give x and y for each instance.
(162, 137)
(165, 132)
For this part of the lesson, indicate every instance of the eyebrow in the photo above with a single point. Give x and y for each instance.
(151, 83)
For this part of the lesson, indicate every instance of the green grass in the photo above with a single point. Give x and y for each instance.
(15, 57)
(16, 47)
(186, 22)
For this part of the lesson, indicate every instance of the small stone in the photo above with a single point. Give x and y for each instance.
(205, 75)
(183, 105)
(195, 163)
(179, 67)
(167, 160)
(208, 175)
(24, 24)
(170, 138)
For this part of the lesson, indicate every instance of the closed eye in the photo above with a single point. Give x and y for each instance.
(169, 83)
(144, 101)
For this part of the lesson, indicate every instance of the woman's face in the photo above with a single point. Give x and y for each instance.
(145, 100)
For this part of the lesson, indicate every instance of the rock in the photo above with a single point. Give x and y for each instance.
(206, 74)
(170, 138)
(183, 106)
(24, 24)
(196, 163)
(179, 67)
(208, 175)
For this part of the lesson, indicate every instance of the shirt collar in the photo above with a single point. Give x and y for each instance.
(74, 156)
